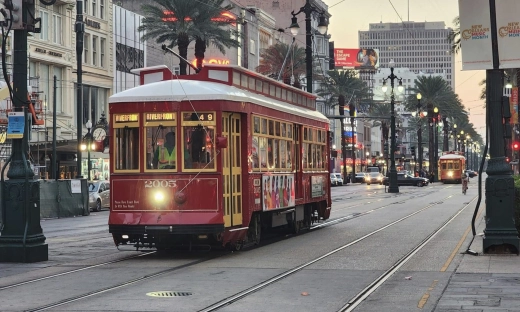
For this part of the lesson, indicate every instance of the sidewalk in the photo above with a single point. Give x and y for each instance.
(483, 282)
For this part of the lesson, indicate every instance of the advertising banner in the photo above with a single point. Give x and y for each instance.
(508, 28)
(356, 58)
(317, 186)
(475, 34)
(513, 102)
(278, 191)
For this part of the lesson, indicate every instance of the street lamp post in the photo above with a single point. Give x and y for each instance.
(419, 132)
(366, 160)
(308, 9)
(88, 147)
(393, 187)
(435, 142)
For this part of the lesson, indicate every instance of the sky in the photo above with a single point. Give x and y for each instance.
(350, 16)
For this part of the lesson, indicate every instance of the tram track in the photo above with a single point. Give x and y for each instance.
(252, 289)
(356, 300)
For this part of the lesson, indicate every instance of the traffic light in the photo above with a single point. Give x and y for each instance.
(352, 110)
(507, 159)
(385, 151)
(15, 6)
(413, 150)
(341, 103)
(516, 146)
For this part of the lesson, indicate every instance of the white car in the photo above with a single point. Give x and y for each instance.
(98, 195)
(333, 180)
(339, 179)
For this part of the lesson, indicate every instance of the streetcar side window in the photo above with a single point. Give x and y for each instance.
(198, 141)
(255, 155)
(443, 166)
(161, 148)
(126, 148)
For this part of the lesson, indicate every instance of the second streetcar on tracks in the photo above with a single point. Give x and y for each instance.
(214, 157)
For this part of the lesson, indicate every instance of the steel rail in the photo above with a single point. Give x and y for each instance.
(242, 294)
(367, 291)
(74, 271)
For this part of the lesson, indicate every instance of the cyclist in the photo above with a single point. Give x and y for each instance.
(465, 180)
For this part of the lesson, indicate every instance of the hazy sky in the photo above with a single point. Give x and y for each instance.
(350, 16)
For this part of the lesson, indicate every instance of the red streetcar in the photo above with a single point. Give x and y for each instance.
(214, 158)
(451, 167)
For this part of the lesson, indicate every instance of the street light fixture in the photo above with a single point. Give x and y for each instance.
(393, 186)
(419, 131)
(88, 145)
(308, 9)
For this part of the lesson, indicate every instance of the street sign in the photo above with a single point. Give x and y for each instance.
(16, 125)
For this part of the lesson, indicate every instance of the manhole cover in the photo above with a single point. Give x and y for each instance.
(167, 294)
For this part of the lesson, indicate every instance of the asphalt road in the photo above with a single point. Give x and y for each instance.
(368, 232)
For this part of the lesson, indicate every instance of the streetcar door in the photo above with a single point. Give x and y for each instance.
(232, 170)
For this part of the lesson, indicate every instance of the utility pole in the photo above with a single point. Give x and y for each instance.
(80, 30)
(21, 238)
(500, 233)
(54, 156)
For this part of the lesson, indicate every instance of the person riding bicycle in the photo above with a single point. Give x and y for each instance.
(465, 180)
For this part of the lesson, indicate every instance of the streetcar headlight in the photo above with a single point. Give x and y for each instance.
(450, 173)
(159, 196)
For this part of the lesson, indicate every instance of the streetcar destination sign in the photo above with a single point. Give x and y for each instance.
(127, 117)
(159, 116)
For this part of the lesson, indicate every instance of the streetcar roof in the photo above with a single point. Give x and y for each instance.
(195, 90)
(451, 156)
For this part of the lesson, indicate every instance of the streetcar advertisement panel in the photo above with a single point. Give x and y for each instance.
(317, 186)
(278, 191)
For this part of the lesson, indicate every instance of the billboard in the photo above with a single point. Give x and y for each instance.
(475, 34)
(356, 58)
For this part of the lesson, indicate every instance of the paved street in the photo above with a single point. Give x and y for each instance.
(369, 232)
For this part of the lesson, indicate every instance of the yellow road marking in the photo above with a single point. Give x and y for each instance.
(454, 252)
(426, 295)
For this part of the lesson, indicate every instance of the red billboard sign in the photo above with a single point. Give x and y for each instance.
(356, 58)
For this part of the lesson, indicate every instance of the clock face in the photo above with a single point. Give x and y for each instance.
(99, 134)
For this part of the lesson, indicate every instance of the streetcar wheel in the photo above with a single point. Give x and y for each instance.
(98, 205)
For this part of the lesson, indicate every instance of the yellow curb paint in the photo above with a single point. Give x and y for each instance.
(426, 295)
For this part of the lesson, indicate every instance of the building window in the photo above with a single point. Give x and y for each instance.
(56, 29)
(94, 8)
(252, 47)
(85, 7)
(86, 41)
(94, 50)
(102, 50)
(44, 34)
(102, 9)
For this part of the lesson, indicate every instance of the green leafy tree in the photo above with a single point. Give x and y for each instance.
(180, 22)
(454, 36)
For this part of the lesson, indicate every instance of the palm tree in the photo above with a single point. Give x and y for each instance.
(454, 36)
(179, 22)
(272, 60)
(347, 86)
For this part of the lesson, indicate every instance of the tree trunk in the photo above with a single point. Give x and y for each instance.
(200, 49)
(445, 142)
(183, 41)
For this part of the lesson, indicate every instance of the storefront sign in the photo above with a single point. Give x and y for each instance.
(51, 53)
(92, 23)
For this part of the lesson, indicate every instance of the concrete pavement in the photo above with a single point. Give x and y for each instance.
(484, 282)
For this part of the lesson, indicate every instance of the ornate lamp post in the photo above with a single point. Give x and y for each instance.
(87, 145)
(308, 9)
(419, 130)
(393, 187)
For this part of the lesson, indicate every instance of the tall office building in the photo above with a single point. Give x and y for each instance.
(419, 46)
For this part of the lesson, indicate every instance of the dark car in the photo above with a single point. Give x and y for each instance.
(360, 177)
(406, 179)
(471, 173)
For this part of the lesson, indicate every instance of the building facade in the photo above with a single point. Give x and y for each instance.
(419, 46)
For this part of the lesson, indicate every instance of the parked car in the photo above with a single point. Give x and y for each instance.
(339, 178)
(360, 177)
(471, 173)
(406, 179)
(333, 180)
(374, 177)
(98, 195)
